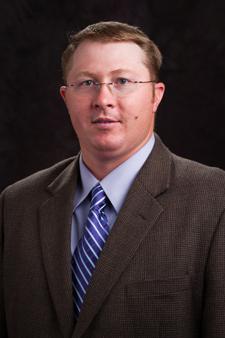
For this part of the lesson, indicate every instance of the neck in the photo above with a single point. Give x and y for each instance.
(103, 164)
(101, 167)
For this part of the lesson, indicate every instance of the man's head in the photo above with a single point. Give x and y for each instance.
(111, 31)
(111, 92)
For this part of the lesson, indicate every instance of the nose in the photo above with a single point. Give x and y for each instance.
(104, 97)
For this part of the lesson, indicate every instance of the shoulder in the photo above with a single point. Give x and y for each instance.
(184, 179)
(197, 181)
(196, 172)
(186, 170)
(40, 179)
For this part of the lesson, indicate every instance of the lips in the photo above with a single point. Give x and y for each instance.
(104, 120)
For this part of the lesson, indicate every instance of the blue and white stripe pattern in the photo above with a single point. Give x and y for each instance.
(89, 247)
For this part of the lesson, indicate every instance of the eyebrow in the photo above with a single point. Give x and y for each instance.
(86, 73)
(115, 71)
(122, 70)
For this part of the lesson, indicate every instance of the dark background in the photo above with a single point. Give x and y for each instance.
(35, 131)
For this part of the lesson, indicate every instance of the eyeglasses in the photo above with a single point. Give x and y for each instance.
(120, 86)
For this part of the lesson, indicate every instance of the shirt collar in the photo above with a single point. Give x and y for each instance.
(122, 176)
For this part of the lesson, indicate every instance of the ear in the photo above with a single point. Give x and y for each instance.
(62, 91)
(158, 95)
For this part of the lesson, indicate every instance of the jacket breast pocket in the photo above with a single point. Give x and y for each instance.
(163, 307)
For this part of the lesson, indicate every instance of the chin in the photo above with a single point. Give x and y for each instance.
(93, 143)
(108, 149)
(108, 144)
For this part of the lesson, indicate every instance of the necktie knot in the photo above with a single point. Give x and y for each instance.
(98, 198)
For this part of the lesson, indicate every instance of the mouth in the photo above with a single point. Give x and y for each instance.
(102, 120)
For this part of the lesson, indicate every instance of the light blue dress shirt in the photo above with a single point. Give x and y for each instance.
(116, 185)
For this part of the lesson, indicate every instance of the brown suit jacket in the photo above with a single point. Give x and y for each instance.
(162, 270)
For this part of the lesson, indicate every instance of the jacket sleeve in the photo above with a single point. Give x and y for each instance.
(3, 332)
(213, 323)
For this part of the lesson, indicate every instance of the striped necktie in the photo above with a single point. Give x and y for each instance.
(89, 247)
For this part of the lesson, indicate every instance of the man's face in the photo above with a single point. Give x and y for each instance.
(109, 125)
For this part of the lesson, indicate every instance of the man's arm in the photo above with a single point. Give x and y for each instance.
(213, 324)
(3, 332)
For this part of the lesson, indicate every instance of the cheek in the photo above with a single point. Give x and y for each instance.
(75, 118)
(137, 107)
(75, 105)
(130, 109)
(140, 113)
(79, 121)
(77, 111)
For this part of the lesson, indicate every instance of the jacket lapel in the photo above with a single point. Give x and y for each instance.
(55, 235)
(139, 213)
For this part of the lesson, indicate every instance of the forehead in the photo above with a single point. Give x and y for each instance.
(106, 57)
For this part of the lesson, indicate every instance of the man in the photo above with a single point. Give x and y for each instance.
(145, 257)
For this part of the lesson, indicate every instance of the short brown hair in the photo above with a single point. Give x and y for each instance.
(109, 31)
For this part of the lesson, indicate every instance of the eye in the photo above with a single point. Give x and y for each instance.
(86, 83)
(122, 81)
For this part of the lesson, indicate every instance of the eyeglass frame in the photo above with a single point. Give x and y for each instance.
(112, 83)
